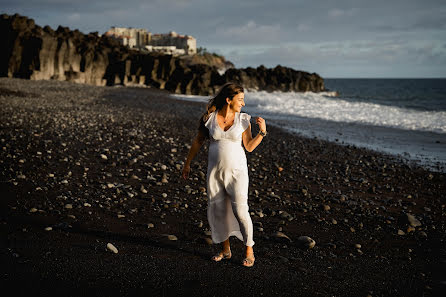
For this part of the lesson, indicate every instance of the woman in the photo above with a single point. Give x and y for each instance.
(227, 174)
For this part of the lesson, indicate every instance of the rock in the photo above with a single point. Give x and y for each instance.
(112, 248)
(104, 157)
(283, 259)
(87, 204)
(171, 237)
(68, 206)
(43, 53)
(150, 225)
(286, 215)
(306, 242)
(413, 221)
(326, 207)
(281, 235)
(48, 228)
(357, 245)
(422, 233)
(401, 232)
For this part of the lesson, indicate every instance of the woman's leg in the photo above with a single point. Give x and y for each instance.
(225, 252)
(241, 213)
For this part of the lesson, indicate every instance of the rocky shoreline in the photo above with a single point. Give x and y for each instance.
(93, 204)
(32, 52)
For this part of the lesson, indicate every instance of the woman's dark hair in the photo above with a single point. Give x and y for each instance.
(228, 90)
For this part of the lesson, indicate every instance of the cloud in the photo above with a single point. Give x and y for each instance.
(337, 12)
(250, 33)
(74, 17)
(348, 58)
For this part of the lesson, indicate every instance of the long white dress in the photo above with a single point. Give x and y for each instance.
(227, 181)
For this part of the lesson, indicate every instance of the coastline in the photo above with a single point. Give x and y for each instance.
(351, 201)
(415, 147)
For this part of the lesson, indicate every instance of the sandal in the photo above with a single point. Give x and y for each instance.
(249, 261)
(221, 256)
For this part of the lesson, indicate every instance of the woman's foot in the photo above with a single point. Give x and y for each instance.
(249, 260)
(222, 255)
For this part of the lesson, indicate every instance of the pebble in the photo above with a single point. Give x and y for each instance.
(104, 157)
(358, 246)
(413, 221)
(334, 222)
(150, 225)
(279, 234)
(33, 210)
(87, 204)
(68, 206)
(306, 242)
(48, 228)
(401, 232)
(172, 237)
(112, 248)
(120, 216)
(326, 207)
(283, 259)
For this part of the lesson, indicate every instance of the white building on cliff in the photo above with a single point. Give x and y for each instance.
(171, 43)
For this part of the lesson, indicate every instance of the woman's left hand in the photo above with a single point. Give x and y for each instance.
(262, 124)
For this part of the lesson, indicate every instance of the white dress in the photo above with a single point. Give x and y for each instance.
(227, 181)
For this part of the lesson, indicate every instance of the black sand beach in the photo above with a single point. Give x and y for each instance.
(83, 166)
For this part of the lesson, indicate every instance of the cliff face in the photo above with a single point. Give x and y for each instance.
(37, 53)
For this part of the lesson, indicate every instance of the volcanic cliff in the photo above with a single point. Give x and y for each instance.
(32, 52)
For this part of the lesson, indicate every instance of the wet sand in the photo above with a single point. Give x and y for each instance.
(84, 166)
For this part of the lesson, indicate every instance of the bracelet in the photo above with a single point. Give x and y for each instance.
(263, 133)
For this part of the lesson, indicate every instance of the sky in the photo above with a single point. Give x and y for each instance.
(336, 39)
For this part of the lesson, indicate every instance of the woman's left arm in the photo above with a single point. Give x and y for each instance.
(249, 142)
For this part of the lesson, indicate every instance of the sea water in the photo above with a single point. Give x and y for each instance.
(403, 117)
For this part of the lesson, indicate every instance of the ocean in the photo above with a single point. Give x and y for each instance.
(402, 117)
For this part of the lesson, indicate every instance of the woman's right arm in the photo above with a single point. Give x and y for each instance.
(196, 145)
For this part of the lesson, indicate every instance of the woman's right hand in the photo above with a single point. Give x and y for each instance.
(186, 170)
